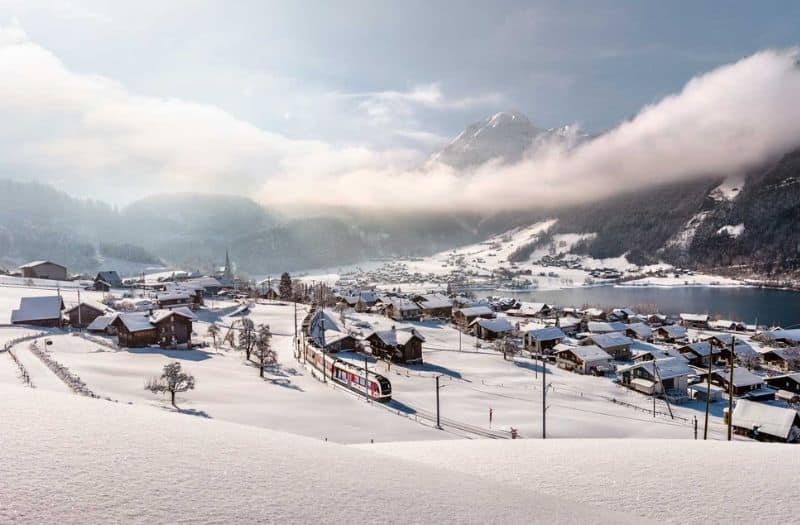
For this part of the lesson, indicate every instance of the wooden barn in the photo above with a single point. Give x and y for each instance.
(105, 281)
(542, 340)
(583, 359)
(163, 327)
(765, 422)
(491, 329)
(464, 316)
(44, 270)
(435, 305)
(83, 314)
(402, 345)
(38, 311)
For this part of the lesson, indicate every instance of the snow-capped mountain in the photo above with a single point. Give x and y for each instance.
(507, 136)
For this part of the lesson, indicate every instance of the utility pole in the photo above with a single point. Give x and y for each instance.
(80, 320)
(730, 391)
(708, 389)
(695, 428)
(544, 398)
(459, 337)
(438, 421)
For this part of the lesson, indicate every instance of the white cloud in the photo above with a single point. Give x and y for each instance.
(90, 135)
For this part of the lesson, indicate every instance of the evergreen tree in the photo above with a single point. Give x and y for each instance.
(285, 287)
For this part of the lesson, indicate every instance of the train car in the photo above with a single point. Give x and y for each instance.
(349, 375)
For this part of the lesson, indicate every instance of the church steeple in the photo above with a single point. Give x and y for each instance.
(228, 275)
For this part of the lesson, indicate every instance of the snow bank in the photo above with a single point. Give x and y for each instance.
(668, 481)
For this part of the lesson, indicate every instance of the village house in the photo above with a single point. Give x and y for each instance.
(624, 315)
(167, 328)
(173, 299)
(697, 353)
(670, 334)
(694, 320)
(657, 319)
(603, 327)
(434, 305)
(327, 331)
(668, 376)
(615, 344)
(44, 270)
(402, 309)
(542, 340)
(490, 329)
(780, 337)
(403, 345)
(788, 386)
(726, 324)
(766, 422)
(105, 281)
(568, 324)
(593, 314)
(639, 331)
(782, 358)
(745, 383)
(38, 311)
(530, 310)
(464, 316)
(81, 315)
(587, 359)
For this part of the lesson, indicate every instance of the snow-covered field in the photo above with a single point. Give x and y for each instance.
(244, 449)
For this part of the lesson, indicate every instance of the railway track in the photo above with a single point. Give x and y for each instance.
(447, 422)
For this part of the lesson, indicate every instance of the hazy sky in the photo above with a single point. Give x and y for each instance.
(342, 86)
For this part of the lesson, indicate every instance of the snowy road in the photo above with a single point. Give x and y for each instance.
(41, 376)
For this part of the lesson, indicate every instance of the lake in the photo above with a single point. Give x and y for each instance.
(771, 307)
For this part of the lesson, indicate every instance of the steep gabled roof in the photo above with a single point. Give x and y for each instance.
(766, 419)
(38, 309)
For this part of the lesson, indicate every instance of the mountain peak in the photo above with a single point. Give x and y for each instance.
(507, 136)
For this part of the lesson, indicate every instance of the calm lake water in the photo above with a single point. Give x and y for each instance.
(778, 307)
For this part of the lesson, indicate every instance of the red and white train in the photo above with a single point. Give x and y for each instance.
(349, 375)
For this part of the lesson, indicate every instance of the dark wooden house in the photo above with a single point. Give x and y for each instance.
(38, 311)
(82, 315)
(403, 345)
(163, 327)
(44, 270)
(105, 281)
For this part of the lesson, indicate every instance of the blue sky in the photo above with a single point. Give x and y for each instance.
(317, 69)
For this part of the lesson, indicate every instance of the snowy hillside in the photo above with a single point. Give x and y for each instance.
(78, 460)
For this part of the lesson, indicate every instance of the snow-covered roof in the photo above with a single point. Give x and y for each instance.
(324, 319)
(173, 296)
(697, 318)
(499, 325)
(674, 331)
(136, 321)
(108, 276)
(701, 348)
(609, 340)
(530, 308)
(100, 307)
(403, 304)
(396, 336)
(668, 367)
(585, 353)
(741, 376)
(766, 419)
(100, 322)
(476, 310)
(780, 334)
(33, 264)
(640, 329)
(38, 309)
(787, 354)
(601, 327)
(160, 315)
(546, 334)
(435, 300)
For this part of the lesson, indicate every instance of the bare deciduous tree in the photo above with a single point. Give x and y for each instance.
(213, 331)
(247, 337)
(173, 380)
(264, 353)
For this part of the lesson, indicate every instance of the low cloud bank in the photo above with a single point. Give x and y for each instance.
(86, 131)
